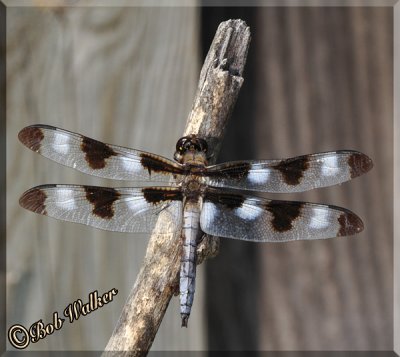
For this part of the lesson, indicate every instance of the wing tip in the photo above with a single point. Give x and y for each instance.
(31, 137)
(359, 164)
(34, 200)
(350, 224)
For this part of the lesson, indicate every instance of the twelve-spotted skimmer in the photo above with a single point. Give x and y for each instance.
(199, 198)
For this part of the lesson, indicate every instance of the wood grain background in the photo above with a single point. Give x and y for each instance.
(317, 79)
(120, 75)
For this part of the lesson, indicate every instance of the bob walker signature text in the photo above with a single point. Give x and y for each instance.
(20, 337)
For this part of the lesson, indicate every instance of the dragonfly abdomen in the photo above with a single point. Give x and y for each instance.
(190, 234)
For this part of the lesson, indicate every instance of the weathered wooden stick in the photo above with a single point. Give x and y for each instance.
(218, 89)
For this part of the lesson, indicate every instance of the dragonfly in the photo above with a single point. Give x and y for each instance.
(197, 198)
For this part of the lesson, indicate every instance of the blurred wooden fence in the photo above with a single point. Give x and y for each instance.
(120, 75)
(317, 79)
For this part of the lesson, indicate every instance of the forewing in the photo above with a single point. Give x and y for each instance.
(96, 158)
(254, 219)
(296, 174)
(121, 210)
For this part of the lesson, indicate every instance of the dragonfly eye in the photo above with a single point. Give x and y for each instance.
(202, 145)
(180, 145)
(191, 143)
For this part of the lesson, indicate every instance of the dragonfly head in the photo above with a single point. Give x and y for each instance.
(191, 148)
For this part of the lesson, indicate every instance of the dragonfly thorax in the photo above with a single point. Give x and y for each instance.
(193, 187)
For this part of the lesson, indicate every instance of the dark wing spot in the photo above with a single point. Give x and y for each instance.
(284, 214)
(293, 169)
(350, 224)
(34, 200)
(156, 195)
(359, 164)
(102, 198)
(157, 164)
(96, 152)
(31, 137)
(235, 171)
(229, 200)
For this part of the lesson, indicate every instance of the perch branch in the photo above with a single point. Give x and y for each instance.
(218, 89)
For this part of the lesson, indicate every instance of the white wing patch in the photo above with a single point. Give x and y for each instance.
(319, 218)
(137, 204)
(66, 199)
(61, 143)
(330, 166)
(131, 165)
(258, 176)
(209, 209)
(249, 212)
